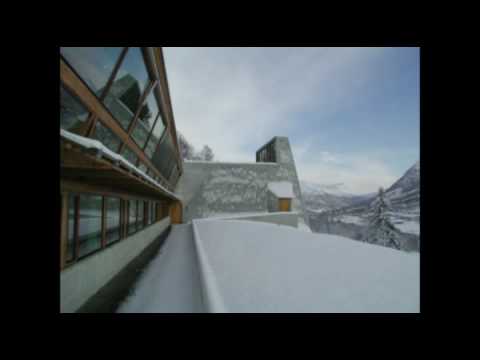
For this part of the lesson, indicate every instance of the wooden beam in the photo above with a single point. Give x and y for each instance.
(176, 212)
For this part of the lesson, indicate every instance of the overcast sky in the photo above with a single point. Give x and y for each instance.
(351, 114)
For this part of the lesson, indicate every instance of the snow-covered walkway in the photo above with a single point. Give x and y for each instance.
(246, 266)
(170, 283)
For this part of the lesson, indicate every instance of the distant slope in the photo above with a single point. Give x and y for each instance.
(352, 220)
(325, 197)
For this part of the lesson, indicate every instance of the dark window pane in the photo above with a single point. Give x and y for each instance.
(152, 212)
(112, 219)
(155, 137)
(129, 155)
(145, 120)
(73, 115)
(71, 227)
(106, 136)
(132, 217)
(173, 176)
(123, 98)
(90, 224)
(164, 157)
(140, 215)
(93, 64)
(142, 167)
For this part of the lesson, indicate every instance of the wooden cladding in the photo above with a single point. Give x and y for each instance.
(284, 204)
(176, 212)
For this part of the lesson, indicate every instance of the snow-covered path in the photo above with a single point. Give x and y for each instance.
(170, 283)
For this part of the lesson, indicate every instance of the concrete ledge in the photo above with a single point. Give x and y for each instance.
(279, 218)
(79, 282)
(110, 296)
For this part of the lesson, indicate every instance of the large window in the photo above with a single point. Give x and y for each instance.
(155, 137)
(164, 157)
(95, 221)
(132, 216)
(71, 229)
(129, 155)
(123, 98)
(140, 215)
(145, 121)
(106, 136)
(89, 224)
(93, 64)
(112, 219)
(73, 115)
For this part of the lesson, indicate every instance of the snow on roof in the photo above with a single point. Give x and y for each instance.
(281, 189)
(95, 144)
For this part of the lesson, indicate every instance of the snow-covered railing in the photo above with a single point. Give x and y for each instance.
(103, 151)
(211, 295)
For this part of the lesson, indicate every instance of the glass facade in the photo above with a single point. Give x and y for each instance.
(93, 64)
(132, 216)
(70, 232)
(112, 220)
(129, 155)
(155, 137)
(106, 136)
(164, 157)
(123, 98)
(89, 224)
(140, 215)
(120, 93)
(89, 217)
(145, 121)
(73, 115)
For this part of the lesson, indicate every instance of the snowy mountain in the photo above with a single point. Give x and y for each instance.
(324, 197)
(352, 220)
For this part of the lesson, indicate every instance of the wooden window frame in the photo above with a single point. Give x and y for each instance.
(98, 112)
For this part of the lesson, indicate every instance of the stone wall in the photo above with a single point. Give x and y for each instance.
(209, 188)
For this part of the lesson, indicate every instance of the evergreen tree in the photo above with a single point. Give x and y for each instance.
(186, 149)
(206, 153)
(380, 230)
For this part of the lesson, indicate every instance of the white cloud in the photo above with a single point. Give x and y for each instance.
(236, 99)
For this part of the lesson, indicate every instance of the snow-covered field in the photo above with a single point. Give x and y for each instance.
(256, 267)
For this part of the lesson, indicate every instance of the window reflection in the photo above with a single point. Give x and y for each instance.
(93, 64)
(164, 157)
(129, 155)
(145, 120)
(155, 137)
(90, 224)
(71, 227)
(73, 115)
(140, 215)
(123, 98)
(112, 220)
(132, 217)
(106, 136)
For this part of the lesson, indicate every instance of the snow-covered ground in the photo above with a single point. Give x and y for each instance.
(256, 267)
(409, 227)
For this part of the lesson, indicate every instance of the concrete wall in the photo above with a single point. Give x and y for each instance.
(208, 188)
(81, 281)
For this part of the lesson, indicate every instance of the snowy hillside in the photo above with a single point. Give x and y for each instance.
(403, 197)
(324, 197)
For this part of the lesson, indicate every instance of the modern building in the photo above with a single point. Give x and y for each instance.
(226, 231)
(119, 165)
